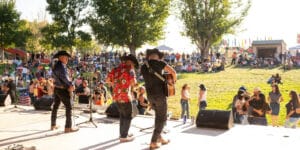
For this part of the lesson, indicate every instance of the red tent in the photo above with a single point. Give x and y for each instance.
(18, 52)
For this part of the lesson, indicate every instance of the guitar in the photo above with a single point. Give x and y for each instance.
(169, 85)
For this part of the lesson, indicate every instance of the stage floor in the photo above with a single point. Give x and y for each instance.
(31, 128)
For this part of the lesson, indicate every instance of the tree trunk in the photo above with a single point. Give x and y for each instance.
(204, 53)
(132, 49)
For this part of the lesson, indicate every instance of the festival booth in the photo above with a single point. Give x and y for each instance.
(269, 48)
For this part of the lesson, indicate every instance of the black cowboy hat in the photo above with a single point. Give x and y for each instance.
(131, 58)
(61, 53)
(154, 51)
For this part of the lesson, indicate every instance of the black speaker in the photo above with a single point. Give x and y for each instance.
(112, 111)
(215, 119)
(44, 103)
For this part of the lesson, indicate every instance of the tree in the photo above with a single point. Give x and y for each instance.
(34, 42)
(130, 23)
(22, 35)
(206, 21)
(13, 31)
(68, 17)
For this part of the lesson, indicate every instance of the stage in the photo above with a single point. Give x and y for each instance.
(31, 128)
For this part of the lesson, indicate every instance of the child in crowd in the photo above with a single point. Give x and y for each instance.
(142, 100)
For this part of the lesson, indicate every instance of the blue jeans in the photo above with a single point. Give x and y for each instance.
(185, 108)
(258, 121)
(291, 123)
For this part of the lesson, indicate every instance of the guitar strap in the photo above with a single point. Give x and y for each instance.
(154, 72)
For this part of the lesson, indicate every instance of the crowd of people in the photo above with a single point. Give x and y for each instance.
(250, 108)
(250, 59)
(58, 82)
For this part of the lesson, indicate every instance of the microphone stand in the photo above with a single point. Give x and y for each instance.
(90, 110)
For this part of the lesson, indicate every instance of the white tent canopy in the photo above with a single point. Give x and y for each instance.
(164, 48)
(295, 47)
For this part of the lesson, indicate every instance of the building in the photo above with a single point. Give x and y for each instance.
(269, 48)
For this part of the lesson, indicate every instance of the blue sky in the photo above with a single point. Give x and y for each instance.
(278, 19)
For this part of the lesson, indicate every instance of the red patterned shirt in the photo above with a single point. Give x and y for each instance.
(121, 78)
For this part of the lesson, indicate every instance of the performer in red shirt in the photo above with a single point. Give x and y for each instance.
(122, 79)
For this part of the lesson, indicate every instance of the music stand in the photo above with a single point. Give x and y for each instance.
(90, 111)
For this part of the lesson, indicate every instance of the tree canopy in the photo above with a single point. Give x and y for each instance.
(68, 17)
(130, 23)
(206, 21)
(13, 31)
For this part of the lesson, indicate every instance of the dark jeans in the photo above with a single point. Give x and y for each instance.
(61, 95)
(32, 98)
(258, 121)
(13, 97)
(159, 105)
(203, 105)
(125, 110)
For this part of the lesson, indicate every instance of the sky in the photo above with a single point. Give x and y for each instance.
(267, 19)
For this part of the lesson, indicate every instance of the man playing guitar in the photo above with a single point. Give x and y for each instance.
(156, 92)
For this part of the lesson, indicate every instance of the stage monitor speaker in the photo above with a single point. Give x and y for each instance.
(44, 103)
(215, 119)
(112, 111)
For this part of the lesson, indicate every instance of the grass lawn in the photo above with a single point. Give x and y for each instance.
(222, 86)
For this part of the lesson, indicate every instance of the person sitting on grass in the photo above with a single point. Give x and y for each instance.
(277, 79)
(271, 80)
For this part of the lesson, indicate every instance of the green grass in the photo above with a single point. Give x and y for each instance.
(224, 85)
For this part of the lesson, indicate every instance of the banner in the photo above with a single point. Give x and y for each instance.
(298, 38)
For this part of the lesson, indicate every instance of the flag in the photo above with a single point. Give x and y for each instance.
(235, 43)
(243, 44)
(298, 38)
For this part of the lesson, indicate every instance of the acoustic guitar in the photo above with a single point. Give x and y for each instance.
(169, 85)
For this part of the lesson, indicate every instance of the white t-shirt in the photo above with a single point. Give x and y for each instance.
(203, 96)
(186, 94)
